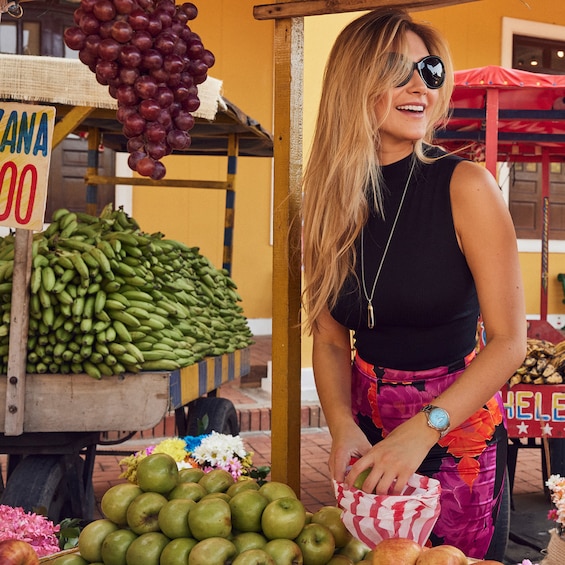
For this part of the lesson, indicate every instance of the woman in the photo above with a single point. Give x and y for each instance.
(405, 245)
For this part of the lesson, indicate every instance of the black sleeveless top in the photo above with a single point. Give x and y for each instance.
(425, 302)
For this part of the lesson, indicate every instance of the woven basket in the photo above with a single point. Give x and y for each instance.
(51, 558)
(555, 552)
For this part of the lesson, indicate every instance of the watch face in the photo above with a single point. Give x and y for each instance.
(439, 418)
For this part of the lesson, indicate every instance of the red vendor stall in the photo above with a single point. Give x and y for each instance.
(504, 115)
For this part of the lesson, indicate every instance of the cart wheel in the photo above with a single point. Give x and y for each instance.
(39, 483)
(220, 413)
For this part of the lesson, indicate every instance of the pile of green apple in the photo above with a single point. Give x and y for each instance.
(189, 517)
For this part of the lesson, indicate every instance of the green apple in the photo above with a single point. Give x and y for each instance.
(157, 472)
(146, 549)
(283, 518)
(91, 538)
(246, 510)
(356, 550)
(274, 489)
(70, 559)
(253, 557)
(176, 551)
(316, 543)
(217, 480)
(339, 559)
(115, 546)
(360, 479)
(190, 475)
(194, 491)
(223, 495)
(210, 518)
(330, 516)
(143, 512)
(115, 502)
(249, 540)
(212, 551)
(243, 483)
(284, 551)
(309, 516)
(173, 518)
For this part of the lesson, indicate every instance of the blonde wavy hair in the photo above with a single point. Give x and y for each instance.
(342, 173)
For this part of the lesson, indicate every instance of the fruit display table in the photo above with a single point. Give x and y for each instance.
(79, 403)
(52, 462)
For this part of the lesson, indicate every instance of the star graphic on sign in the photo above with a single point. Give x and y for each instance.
(546, 430)
(523, 428)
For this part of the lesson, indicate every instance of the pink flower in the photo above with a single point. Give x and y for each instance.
(37, 530)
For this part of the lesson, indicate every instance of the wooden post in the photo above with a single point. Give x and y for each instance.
(229, 220)
(491, 135)
(545, 222)
(19, 322)
(92, 169)
(286, 386)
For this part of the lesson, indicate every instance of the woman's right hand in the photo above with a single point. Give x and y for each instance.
(347, 444)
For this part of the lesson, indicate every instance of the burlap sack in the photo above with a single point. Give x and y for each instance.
(372, 518)
(555, 552)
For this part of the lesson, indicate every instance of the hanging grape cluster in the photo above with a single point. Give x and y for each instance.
(152, 62)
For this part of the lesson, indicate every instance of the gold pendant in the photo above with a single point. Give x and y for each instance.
(370, 316)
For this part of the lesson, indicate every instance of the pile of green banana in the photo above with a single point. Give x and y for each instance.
(107, 299)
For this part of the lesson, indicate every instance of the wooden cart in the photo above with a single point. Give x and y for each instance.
(66, 417)
(61, 419)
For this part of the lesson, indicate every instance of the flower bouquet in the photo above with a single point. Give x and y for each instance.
(207, 452)
(555, 552)
(35, 529)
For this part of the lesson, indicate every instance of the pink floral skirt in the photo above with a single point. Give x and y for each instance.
(469, 462)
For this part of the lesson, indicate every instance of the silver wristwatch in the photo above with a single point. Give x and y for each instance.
(438, 418)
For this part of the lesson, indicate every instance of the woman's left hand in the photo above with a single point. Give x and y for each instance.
(396, 458)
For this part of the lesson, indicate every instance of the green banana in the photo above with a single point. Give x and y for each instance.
(80, 266)
(125, 318)
(122, 331)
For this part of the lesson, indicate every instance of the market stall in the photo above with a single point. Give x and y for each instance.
(52, 449)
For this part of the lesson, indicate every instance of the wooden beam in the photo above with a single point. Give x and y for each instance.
(69, 123)
(169, 183)
(286, 385)
(19, 322)
(300, 8)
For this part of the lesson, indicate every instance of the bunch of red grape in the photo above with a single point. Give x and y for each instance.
(152, 62)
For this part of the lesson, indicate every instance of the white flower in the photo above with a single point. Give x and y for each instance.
(184, 465)
(555, 482)
(217, 448)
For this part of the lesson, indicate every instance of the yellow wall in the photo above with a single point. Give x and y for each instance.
(531, 269)
(244, 59)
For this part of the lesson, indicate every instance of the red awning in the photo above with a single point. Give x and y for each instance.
(518, 114)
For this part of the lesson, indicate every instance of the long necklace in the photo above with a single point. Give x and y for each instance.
(369, 298)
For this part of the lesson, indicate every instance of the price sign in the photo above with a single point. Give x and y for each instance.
(535, 410)
(26, 133)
